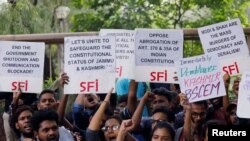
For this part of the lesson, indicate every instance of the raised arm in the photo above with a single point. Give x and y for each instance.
(132, 99)
(95, 122)
(64, 79)
(124, 130)
(16, 100)
(136, 118)
(225, 100)
(187, 118)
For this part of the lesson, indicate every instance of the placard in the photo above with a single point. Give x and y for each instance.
(200, 78)
(225, 39)
(156, 51)
(90, 64)
(243, 103)
(158, 47)
(22, 65)
(125, 51)
(156, 74)
(235, 65)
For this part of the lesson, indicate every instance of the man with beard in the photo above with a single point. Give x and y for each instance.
(21, 123)
(194, 118)
(45, 125)
(47, 101)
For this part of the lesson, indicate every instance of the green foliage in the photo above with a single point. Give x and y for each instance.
(106, 14)
(192, 48)
(92, 15)
(131, 14)
(47, 83)
(25, 18)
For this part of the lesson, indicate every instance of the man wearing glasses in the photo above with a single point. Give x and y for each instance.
(194, 118)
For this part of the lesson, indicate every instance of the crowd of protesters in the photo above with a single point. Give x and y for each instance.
(136, 112)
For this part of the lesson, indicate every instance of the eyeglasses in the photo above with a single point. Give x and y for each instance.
(112, 128)
(202, 114)
(153, 121)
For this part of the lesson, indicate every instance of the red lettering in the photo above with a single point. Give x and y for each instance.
(157, 76)
(96, 84)
(119, 71)
(231, 69)
(225, 69)
(88, 86)
(17, 85)
(82, 85)
(152, 76)
(14, 86)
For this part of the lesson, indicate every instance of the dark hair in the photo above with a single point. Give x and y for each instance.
(15, 116)
(118, 118)
(113, 98)
(163, 92)
(174, 95)
(166, 125)
(46, 91)
(210, 123)
(230, 107)
(42, 115)
(166, 111)
(177, 86)
(203, 102)
(123, 98)
(108, 111)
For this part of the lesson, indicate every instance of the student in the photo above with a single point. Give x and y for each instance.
(163, 131)
(159, 113)
(207, 124)
(84, 106)
(232, 118)
(111, 125)
(94, 128)
(7, 96)
(195, 117)
(11, 105)
(162, 96)
(45, 124)
(124, 86)
(21, 123)
(47, 101)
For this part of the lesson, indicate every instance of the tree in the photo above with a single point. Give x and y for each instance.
(131, 14)
(28, 16)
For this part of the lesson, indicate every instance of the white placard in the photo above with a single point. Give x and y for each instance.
(200, 78)
(158, 47)
(90, 64)
(125, 51)
(156, 51)
(243, 103)
(225, 39)
(156, 74)
(22, 65)
(235, 65)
